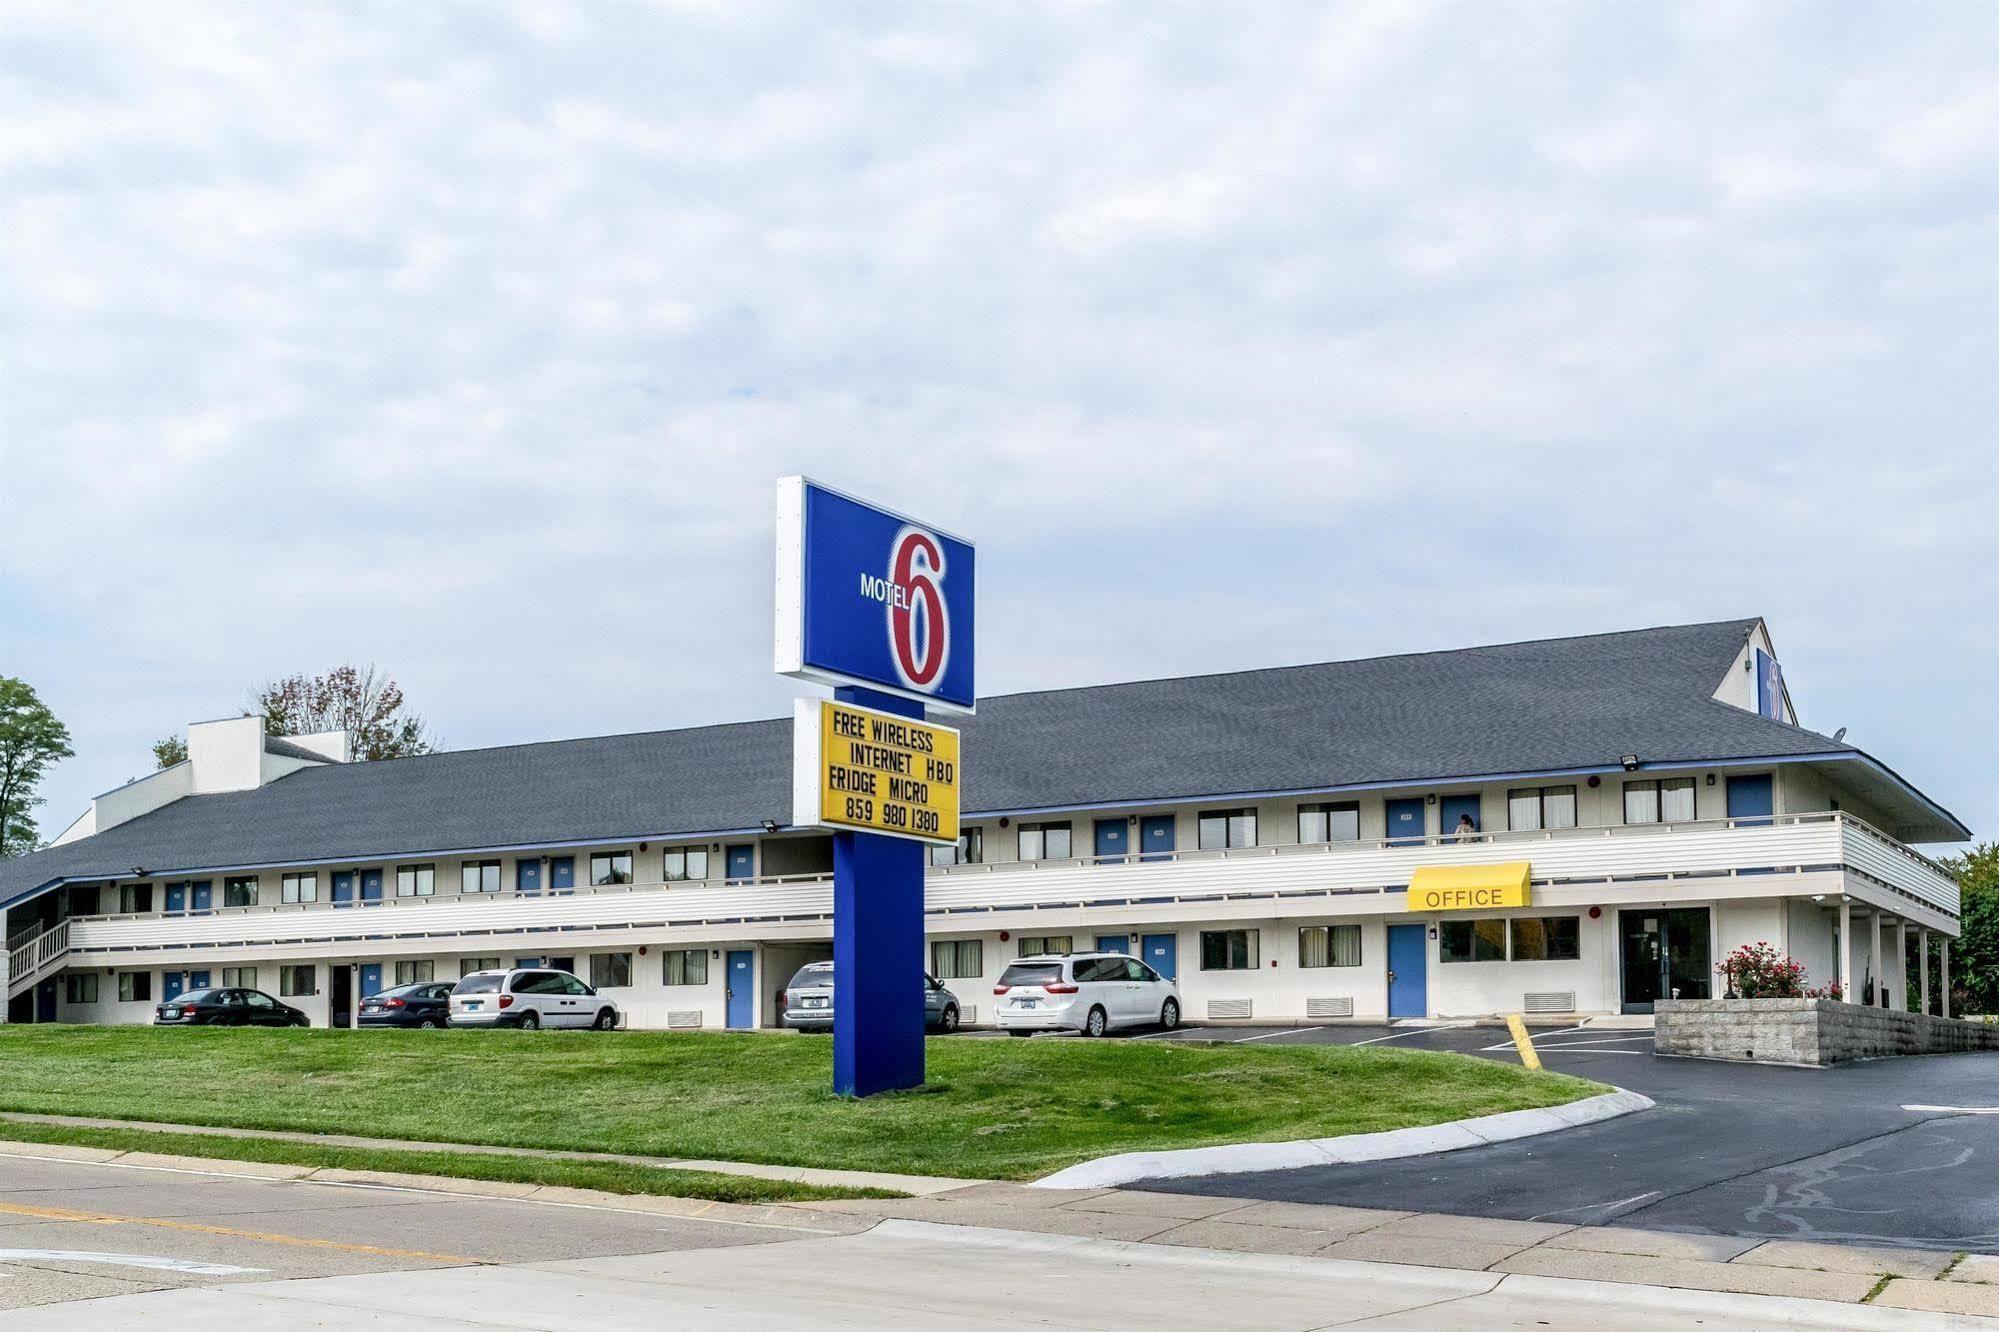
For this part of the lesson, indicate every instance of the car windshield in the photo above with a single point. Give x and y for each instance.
(1032, 973)
(483, 983)
(816, 975)
(198, 996)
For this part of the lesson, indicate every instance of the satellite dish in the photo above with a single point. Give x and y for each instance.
(1839, 735)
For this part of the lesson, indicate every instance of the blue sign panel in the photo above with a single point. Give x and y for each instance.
(1769, 686)
(872, 598)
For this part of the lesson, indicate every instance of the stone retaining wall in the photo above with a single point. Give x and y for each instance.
(1807, 1031)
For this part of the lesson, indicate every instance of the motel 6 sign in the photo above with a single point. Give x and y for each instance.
(870, 598)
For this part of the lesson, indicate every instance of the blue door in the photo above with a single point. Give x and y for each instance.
(1155, 835)
(1405, 821)
(171, 985)
(742, 862)
(742, 989)
(371, 978)
(562, 874)
(1408, 971)
(1454, 808)
(200, 895)
(343, 888)
(527, 876)
(1161, 952)
(1110, 838)
(1114, 943)
(371, 885)
(45, 1001)
(176, 899)
(197, 980)
(1751, 798)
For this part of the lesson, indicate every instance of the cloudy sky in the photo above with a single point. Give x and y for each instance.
(468, 339)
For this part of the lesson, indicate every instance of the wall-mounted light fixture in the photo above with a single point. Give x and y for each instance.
(1432, 800)
(1710, 779)
(1630, 762)
(138, 871)
(770, 825)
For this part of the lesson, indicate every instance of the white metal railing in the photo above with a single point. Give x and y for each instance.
(28, 960)
(1817, 841)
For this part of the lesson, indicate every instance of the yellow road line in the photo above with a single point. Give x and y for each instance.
(196, 1227)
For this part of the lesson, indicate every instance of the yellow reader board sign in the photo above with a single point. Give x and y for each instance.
(871, 771)
(1469, 887)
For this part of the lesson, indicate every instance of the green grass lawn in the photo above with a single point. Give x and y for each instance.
(992, 1108)
(607, 1176)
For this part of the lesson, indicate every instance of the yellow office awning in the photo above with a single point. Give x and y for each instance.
(1469, 887)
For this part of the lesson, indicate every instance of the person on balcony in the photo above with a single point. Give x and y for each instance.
(1466, 831)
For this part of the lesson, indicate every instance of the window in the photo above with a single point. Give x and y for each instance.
(1228, 950)
(686, 862)
(610, 868)
(135, 897)
(416, 881)
(414, 972)
(1541, 807)
(1329, 823)
(82, 899)
(299, 888)
(1547, 939)
(1668, 800)
(80, 987)
(610, 971)
(1329, 946)
(958, 959)
(1044, 841)
(684, 966)
(970, 850)
(479, 876)
(135, 987)
(1222, 828)
(236, 892)
(242, 978)
(468, 965)
(1037, 945)
(1472, 941)
(298, 981)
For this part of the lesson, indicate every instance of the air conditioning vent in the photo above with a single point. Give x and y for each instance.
(1228, 1008)
(1549, 1001)
(968, 1013)
(1329, 1007)
(683, 1017)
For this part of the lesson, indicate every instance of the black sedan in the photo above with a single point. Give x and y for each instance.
(228, 1008)
(425, 1004)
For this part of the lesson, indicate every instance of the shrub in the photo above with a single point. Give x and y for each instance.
(1757, 971)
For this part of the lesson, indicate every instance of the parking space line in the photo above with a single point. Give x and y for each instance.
(199, 1228)
(1288, 1031)
(1584, 1045)
(1398, 1035)
(151, 1262)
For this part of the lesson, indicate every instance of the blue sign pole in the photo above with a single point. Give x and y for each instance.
(877, 947)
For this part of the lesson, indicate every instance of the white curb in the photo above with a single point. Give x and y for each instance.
(1247, 1157)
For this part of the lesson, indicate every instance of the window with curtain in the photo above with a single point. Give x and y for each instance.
(80, 987)
(241, 892)
(610, 971)
(970, 849)
(1044, 841)
(686, 862)
(303, 980)
(468, 965)
(1535, 807)
(1667, 800)
(1228, 950)
(608, 869)
(1329, 946)
(1335, 822)
(298, 888)
(416, 881)
(684, 966)
(958, 959)
(135, 987)
(1221, 829)
(414, 972)
(479, 876)
(242, 978)
(1037, 945)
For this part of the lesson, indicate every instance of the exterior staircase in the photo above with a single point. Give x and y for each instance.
(32, 956)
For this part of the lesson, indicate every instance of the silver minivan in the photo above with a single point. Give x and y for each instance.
(530, 998)
(1088, 992)
(808, 1000)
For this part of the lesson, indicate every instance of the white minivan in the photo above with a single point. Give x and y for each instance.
(1088, 992)
(529, 997)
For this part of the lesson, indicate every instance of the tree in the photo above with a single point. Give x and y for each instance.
(170, 751)
(31, 738)
(1974, 955)
(368, 707)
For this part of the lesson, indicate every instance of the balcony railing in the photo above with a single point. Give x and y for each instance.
(1566, 856)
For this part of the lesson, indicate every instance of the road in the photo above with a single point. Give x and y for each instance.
(160, 1248)
(1737, 1149)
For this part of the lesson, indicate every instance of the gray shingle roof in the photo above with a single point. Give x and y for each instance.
(1546, 706)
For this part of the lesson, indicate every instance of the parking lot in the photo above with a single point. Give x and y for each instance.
(1898, 1152)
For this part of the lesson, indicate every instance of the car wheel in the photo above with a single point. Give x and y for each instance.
(530, 1020)
(605, 1020)
(427, 1024)
(1098, 1023)
(1169, 1014)
(949, 1022)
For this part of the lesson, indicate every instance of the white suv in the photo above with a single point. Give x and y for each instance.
(529, 998)
(1087, 992)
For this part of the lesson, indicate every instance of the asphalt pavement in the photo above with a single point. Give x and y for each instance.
(1896, 1152)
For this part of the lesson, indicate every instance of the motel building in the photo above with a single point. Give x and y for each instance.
(1592, 824)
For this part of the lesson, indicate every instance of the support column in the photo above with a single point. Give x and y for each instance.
(1872, 972)
(1943, 971)
(1923, 968)
(1902, 962)
(1846, 990)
